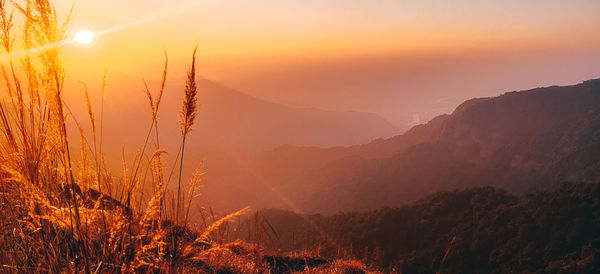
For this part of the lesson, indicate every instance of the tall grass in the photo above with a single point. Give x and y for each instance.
(53, 221)
(188, 115)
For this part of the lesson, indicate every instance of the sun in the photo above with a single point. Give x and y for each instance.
(83, 37)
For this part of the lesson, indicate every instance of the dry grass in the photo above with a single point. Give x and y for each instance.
(53, 221)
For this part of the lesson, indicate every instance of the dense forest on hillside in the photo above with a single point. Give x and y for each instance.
(476, 230)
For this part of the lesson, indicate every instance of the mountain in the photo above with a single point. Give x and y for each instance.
(228, 120)
(232, 118)
(517, 141)
(232, 182)
(230, 128)
(290, 161)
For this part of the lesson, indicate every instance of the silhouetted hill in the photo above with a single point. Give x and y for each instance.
(479, 230)
(517, 141)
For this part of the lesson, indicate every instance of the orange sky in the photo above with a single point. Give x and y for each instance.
(394, 58)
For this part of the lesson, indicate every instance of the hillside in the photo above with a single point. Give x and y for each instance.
(517, 141)
(479, 230)
(270, 179)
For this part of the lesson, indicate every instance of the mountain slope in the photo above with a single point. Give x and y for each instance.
(518, 141)
(290, 161)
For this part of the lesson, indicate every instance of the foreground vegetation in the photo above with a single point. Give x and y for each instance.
(479, 230)
(58, 215)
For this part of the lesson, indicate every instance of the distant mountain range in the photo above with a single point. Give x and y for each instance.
(230, 120)
(517, 141)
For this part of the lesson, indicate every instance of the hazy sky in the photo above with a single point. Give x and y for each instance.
(402, 59)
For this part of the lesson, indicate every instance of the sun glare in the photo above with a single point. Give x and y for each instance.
(84, 37)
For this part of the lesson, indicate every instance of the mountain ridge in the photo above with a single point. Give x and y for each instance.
(518, 141)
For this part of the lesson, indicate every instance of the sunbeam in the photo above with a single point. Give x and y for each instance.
(85, 37)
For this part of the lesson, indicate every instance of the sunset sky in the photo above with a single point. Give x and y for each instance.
(404, 60)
